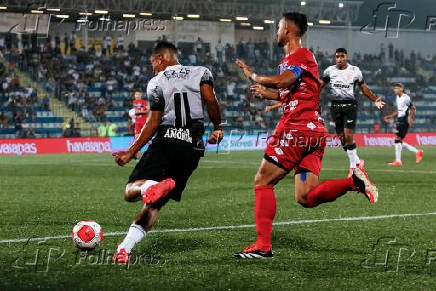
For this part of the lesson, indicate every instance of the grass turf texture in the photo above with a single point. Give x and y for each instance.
(46, 195)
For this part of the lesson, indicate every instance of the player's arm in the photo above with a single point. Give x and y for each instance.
(321, 86)
(368, 93)
(325, 80)
(284, 80)
(264, 93)
(143, 111)
(411, 114)
(274, 106)
(390, 116)
(147, 132)
(214, 112)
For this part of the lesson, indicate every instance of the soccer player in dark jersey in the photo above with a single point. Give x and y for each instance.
(299, 139)
(342, 79)
(176, 95)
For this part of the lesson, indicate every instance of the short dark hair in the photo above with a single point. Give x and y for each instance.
(164, 45)
(399, 85)
(341, 50)
(299, 19)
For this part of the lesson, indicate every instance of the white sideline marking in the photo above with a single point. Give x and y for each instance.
(230, 227)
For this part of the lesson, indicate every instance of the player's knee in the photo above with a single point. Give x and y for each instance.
(128, 194)
(301, 199)
(262, 180)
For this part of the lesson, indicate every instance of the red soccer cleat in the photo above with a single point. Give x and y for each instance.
(395, 163)
(363, 185)
(159, 190)
(419, 156)
(121, 257)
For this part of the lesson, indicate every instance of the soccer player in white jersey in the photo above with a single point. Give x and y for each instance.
(176, 95)
(405, 112)
(342, 79)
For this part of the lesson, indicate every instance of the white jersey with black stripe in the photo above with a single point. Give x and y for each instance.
(176, 92)
(342, 82)
(403, 104)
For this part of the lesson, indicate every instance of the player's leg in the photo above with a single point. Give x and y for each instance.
(142, 223)
(176, 166)
(266, 178)
(310, 193)
(149, 181)
(402, 128)
(344, 131)
(268, 175)
(413, 149)
(338, 119)
(350, 119)
(136, 189)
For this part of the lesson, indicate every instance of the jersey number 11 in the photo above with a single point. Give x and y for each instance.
(179, 121)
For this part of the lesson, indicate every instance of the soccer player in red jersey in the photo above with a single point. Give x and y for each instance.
(299, 139)
(141, 112)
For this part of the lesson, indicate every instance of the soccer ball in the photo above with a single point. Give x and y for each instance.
(87, 234)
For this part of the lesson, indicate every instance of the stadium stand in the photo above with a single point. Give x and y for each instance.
(97, 87)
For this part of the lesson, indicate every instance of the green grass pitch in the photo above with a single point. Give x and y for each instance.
(46, 195)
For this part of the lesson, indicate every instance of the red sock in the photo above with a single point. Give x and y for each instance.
(265, 210)
(328, 191)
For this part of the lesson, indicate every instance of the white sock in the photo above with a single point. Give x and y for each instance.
(410, 148)
(356, 157)
(135, 235)
(398, 149)
(351, 157)
(147, 184)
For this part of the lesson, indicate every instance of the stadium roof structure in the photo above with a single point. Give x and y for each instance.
(257, 11)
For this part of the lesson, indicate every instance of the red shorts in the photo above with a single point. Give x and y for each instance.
(299, 151)
(138, 127)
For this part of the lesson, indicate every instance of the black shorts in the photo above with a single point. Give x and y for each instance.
(344, 114)
(166, 160)
(402, 128)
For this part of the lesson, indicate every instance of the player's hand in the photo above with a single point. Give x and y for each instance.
(410, 121)
(258, 90)
(387, 118)
(268, 108)
(122, 158)
(247, 71)
(216, 136)
(379, 103)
